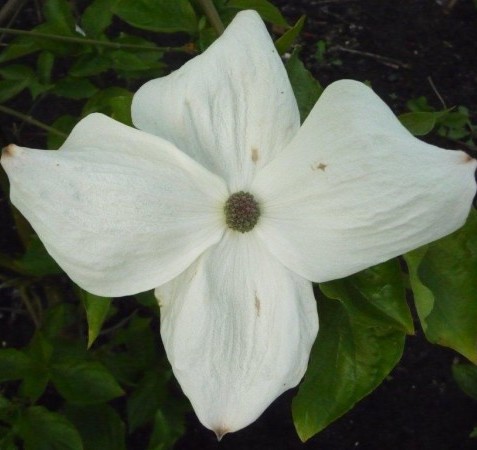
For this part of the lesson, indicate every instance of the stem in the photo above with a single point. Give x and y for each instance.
(212, 14)
(31, 121)
(81, 40)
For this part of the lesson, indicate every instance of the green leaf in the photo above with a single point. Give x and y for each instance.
(36, 379)
(147, 398)
(58, 15)
(267, 10)
(45, 430)
(45, 64)
(11, 88)
(360, 340)
(466, 377)
(473, 433)
(89, 64)
(421, 123)
(65, 124)
(75, 88)
(307, 90)
(100, 426)
(167, 428)
(97, 309)
(84, 382)
(36, 261)
(21, 46)
(121, 109)
(14, 364)
(103, 100)
(443, 282)
(284, 42)
(16, 77)
(161, 16)
(97, 17)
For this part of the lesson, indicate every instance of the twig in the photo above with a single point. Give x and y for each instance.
(10, 9)
(31, 121)
(391, 62)
(82, 40)
(434, 88)
(212, 15)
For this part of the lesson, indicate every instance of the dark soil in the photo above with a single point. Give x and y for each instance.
(405, 49)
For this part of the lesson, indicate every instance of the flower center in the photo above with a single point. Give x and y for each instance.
(241, 211)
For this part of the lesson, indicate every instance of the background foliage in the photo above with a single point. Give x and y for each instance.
(86, 372)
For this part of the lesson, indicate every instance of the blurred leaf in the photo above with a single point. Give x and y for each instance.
(57, 318)
(97, 17)
(14, 364)
(443, 282)
(102, 101)
(35, 381)
(267, 10)
(45, 64)
(97, 309)
(307, 90)
(147, 398)
(167, 429)
(75, 88)
(85, 382)
(473, 433)
(161, 16)
(89, 64)
(58, 14)
(45, 430)
(358, 344)
(466, 377)
(121, 109)
(100, 426)
(421, 123)
(21, 46)
(63, 123)
(36, 261)
(419, 104)
(284, 42)
(16, 77)
(148, 299)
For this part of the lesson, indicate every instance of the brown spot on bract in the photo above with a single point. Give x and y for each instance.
(466, 158)
(255, 154)
(8, 151)
(257, 305)
(319, 166)
(220, 433)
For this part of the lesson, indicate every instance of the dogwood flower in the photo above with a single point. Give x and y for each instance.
(230, 209)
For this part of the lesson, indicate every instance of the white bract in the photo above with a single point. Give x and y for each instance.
(124, 211)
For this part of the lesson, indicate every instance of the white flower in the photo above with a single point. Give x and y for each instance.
(124, 211)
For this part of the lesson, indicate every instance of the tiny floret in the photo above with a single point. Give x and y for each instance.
(241, 211)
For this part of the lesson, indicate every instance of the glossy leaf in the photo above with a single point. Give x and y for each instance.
(361, 339)
(284, 42)
(307, 90)
(41, 429)
(97, 309)
(466, 377)
(443, 278)
(100, 426)
(421, 123)
(158, 15)
(267, 10)
(84, 382)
